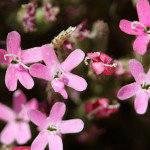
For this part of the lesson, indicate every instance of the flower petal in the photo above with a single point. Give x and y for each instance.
(49, 57)
(24, 78)
(2, 60)
(58, 86)
(13, 43)
(126, 26)
(98, 67)
(6, 114)
(72, 126)
(40, 71)
(57, 112)
(8, 134)
(143, 10)
(11, 78)
(75, 82)
(141, 102)
(38, 118)
(141, 43)
(31, 55)
(19, 99)
(41, 141)
(128, 91)
(73, 60)
(55, 142)
(23, 134)
(136, 68)
(32, 104)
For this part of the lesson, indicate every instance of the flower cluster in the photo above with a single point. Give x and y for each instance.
(29, 17)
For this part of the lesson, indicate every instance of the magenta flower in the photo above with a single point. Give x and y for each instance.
(17, 127)
(16, 61)
(101, 63)
(59, 74)
(53, 127)
(139, 28)
(101, 108)
(140, 87)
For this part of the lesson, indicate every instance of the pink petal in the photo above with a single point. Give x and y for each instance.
(141, 102)
(57, 112)
(108, 70)
(32, 104)
(98, 67)
(105, 58)
(23, 134)
(58, 86)
(141, 43)
(13, 43)
(41, 141)
(49, 57)
(2, 60)
(75, 82)
(37, 118)
(126, 26)
(31, 55)
(94, 56)
(6, 114)
(40, 71)
(136, 68)
(72, 126)
(19, 99)
(55, 142)
(128, 91)
(8, 133)
(24, 78)
(75, 58)
(11, 78)
(143, 10)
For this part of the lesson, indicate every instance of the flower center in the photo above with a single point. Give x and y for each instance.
(56, 71)
(53, 128)
(15, 60)
(145, 86)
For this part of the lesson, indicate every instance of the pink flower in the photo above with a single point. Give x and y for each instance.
(81, 33)
(50, 12)
(100, 108)
(22, 148)
(53, 127)
(141, 28)
(17, 127)
(16, 61)
(140, 87)
(59, 74)
(29, 17)
(101, 63)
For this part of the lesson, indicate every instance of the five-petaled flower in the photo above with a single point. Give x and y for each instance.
(140, 28)
(101, 63)
(16, 61)
(59, 74)
(52, 127)
(17, 127)
(140, 87)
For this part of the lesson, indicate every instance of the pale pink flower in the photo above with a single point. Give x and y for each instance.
(59, 73)
(101, 63)
(139, 28)
(53, 127)
(80, 32)
(17, 127)
(101, 108)
(16, 61)
(140, 87)
(50, 12)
